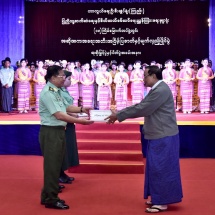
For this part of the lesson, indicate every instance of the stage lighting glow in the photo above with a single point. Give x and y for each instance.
(209, 22)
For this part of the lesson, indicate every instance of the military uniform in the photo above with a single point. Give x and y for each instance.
(71, 157)
(52, 139)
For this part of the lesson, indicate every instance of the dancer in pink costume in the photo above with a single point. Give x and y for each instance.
(137, 86)
(74, 87)
(23, 76)
(104, 80)
(186, 76)
(170, 78)
(121, 80)
(40, 82)
(87, 79)
(204, 77)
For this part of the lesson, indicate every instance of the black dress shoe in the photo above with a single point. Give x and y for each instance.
(64, 180)
(61, 186)
(43, 202)
(57, 205)
(59, 190)
(71, 178)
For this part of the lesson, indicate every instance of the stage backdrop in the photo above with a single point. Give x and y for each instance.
(121, 31)
(12, 29)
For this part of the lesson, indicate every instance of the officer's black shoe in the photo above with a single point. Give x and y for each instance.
(57, 205)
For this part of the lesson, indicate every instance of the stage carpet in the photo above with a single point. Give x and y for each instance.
(101, 194)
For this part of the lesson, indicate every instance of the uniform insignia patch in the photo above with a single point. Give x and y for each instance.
(53, 89)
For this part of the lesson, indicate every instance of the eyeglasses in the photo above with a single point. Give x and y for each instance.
(61, 76)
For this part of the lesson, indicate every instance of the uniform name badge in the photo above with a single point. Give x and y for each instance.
(99, 115)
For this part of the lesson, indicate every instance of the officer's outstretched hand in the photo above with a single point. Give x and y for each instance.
(86, 122)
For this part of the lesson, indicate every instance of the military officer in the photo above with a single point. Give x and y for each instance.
(53, 110)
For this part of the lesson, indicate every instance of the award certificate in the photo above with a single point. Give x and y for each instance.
(99, 115)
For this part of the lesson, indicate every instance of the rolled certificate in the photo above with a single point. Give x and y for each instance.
(99, 115)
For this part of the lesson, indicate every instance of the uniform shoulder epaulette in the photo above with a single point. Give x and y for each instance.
(52, 89)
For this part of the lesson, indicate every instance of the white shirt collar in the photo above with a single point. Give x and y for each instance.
(155, 85)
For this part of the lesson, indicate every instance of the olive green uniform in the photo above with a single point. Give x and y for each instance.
(71, 157)
(52, 139)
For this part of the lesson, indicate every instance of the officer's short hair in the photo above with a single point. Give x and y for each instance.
(52, 71)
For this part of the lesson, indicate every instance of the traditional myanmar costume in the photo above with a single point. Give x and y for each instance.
(204, 77)
(74, 88)
(137, 86)
(170, 77)
(87, 79)
(121, 79)
(40, 82)
(113, 88)
(104, 96)
(32, 99)
(186, 88)
(195, 92)
(129, 97)
(23, 75)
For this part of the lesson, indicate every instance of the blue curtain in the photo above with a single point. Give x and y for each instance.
(109, 1)
(12, 29)
(212, 32)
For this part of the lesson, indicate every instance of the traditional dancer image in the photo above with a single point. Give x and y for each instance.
(23, 76)
(121, 80)
(137, 86)
(74, 87)
(113, 72)
(170, 77)
(186, 76)
(87, 79)
(104, 80)
(204, 77)
(195, 86)
(129, 71)
(40, 82)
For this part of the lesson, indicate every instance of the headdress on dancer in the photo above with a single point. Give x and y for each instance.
(63, 61)
(51, 63)
(169, 61)
(99, 62)
(145, 64)
(195, 62)
(187, 59)
(153, 62)
(93, 62)
(32, 64)
(113, 62)
(57, 63)
(158, 65)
